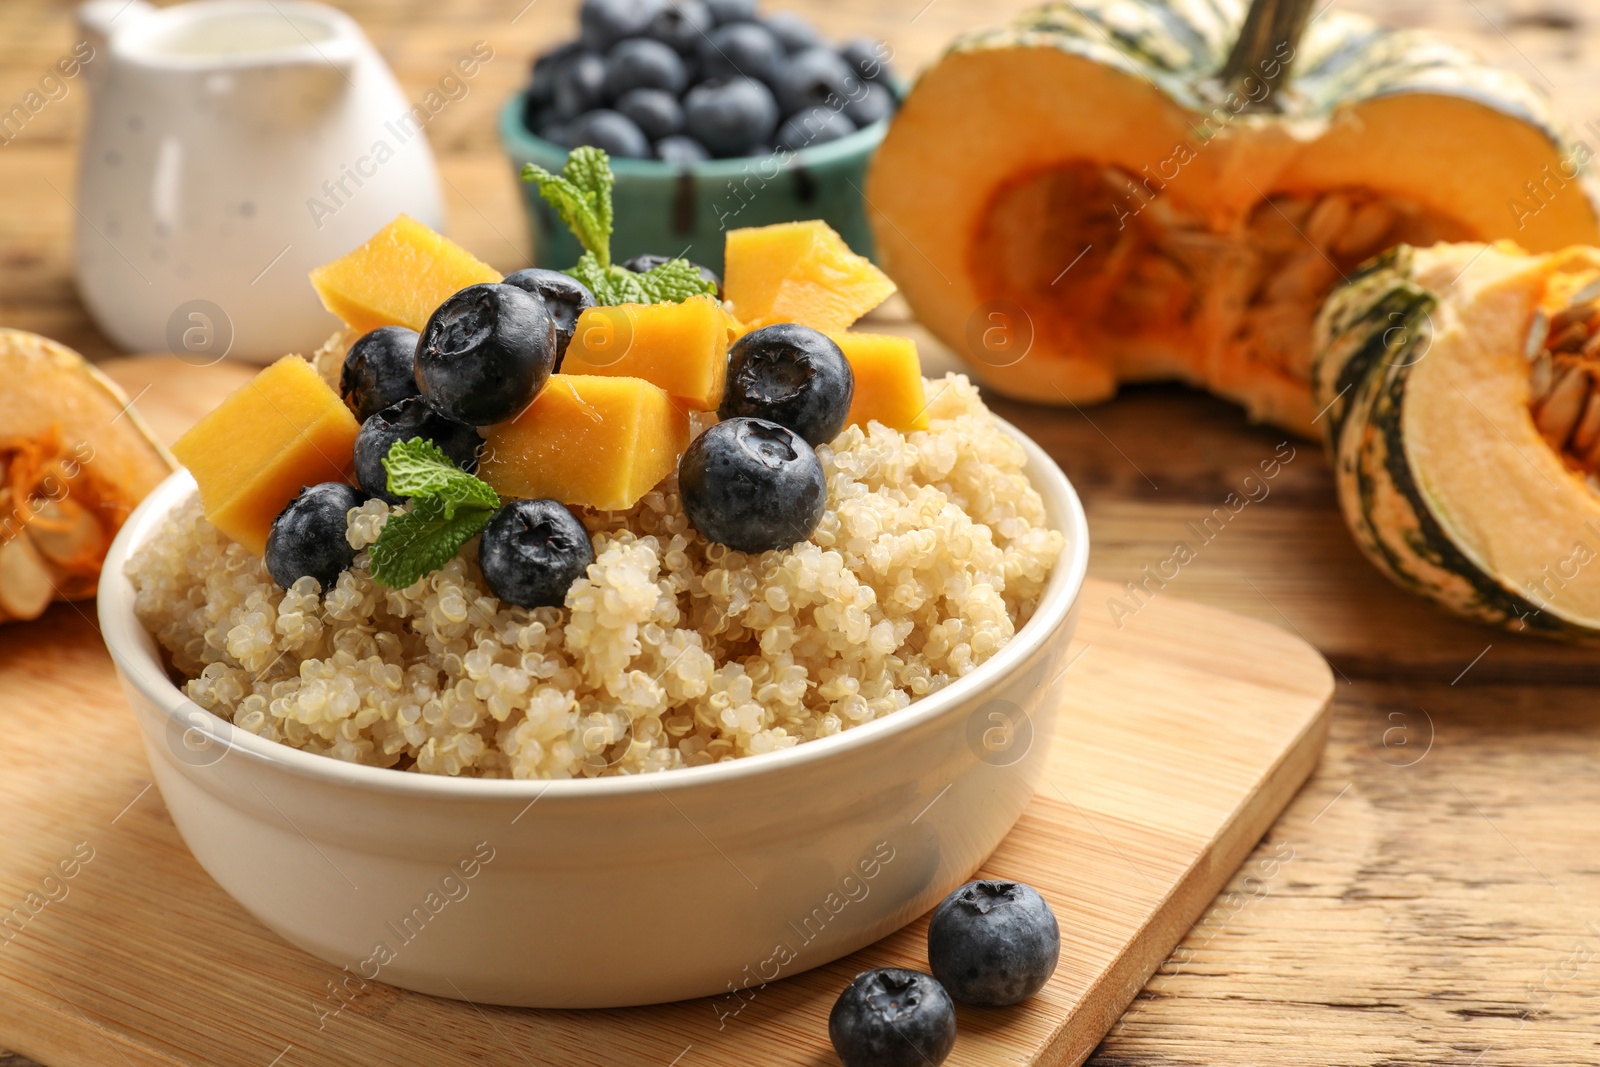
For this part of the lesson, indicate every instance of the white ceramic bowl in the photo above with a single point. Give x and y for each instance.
(609, 891)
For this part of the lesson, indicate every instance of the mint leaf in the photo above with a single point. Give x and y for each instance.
(419, 468)
(674, 282)
(417, 542)
(581, 195)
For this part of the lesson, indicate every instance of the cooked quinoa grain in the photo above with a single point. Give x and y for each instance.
(672, 652)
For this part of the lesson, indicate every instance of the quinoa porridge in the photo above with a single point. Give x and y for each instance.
(673, 651)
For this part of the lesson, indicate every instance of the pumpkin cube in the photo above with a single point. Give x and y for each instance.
(587, 439)
(683, 348)
(398, 277)
(799, 272)
(283, 429)
(888, 380)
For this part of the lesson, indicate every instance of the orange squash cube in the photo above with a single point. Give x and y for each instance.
(888, 380)
(799, 272)
(398, 277)
(683, 348)
(283, 429)
(592, 440)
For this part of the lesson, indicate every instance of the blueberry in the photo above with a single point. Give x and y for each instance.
(564, 296)
(656, 112)
(308, 536)
(746, 48)
(812, 126)
(892, 1018)
(640, 63)
(752, 485)
(872, 103)
(792, 31)
(531, 553)
(605, 22)
(681, 24)
(867, 57)
(485, 353)
(650, 261)
(542, 79)
(730, 116)
(380, 369)
(993, 943)
(557, 133)
(791, 375)
(724, 11)
(579, 85)
(815, 78)
(681, 151)
(403, 421)
(612, 131)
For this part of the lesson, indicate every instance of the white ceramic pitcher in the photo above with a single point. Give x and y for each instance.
(232, 145)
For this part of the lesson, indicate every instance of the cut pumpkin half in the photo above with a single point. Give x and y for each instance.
(1461, 388)
(1113, 190)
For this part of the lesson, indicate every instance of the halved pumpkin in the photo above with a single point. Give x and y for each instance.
(1110, 190)
(75, 459)
(1460, 386)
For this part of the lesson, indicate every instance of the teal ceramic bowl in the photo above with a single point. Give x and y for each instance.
(674, 211)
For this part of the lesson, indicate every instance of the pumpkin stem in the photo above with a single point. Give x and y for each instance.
(1259, 64)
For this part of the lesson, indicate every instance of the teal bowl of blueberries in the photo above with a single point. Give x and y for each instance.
(715, 117)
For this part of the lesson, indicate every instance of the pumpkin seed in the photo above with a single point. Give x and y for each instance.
(65, 533)
(1537, 334)
(1365, 230)
(1559, 411)
(1587, 295)
(1542, 378)
(1587, 432)
(1302, 280)
(1328, 219)
(26, 584)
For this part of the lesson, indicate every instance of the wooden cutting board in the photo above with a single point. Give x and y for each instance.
(1188, 730)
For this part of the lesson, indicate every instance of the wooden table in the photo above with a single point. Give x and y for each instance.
(1442, 903)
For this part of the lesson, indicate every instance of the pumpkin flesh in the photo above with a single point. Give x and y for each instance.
(1079, 124)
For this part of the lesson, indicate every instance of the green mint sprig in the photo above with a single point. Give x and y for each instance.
(449, 507)
(581, 196)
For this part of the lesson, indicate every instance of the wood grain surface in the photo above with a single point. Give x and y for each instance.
(1444, 903)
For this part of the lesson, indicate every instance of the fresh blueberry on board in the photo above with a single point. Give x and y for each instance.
(564, 296)
(752, 485)
(380, 369)
(892, 1018)
(485, 353)
(871, 103)
(792, 31)
(605, 22)
(650, 261)
(641, 63)
(816, 77)
(746, 48)
(681, 24)
(532, 551)
(791, 375)
(724, 11)
(579, 85)
(813, 126)
(656, 112)
(730, 116)
(407, 419)
(307, 538)
(993, 943)
(867, 57)
(681, 151)
(612, 132)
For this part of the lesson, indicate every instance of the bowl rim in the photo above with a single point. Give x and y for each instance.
(525, 146)
(137, 658)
